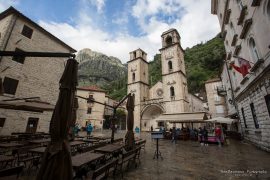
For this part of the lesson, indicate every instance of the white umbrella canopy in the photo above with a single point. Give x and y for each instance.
(222, 120)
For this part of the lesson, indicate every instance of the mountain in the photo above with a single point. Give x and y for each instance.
(99, 69)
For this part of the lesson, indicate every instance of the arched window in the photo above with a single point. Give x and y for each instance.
(134, 54)
(133, 76)
(172, 91)
(168, 40)
(170, 65)
(254, 50)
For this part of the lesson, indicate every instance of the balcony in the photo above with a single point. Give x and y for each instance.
(234, 40)
(242, 15)
(221, 91)
(256, 3)
(246, 28)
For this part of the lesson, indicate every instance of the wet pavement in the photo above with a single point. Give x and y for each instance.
(189, 160)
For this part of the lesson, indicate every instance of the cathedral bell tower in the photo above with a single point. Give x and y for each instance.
(138, 83)
(173, 73)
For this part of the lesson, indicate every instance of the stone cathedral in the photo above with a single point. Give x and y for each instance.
(169, 97)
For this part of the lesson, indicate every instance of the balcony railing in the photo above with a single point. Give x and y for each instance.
(221, 91)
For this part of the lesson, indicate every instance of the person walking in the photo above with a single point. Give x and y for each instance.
(151, 128)
(89, 129)
(218, 135)
(137, 132)
(174, 135)
(205, 136)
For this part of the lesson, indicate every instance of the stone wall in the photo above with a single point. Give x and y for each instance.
(38, 77)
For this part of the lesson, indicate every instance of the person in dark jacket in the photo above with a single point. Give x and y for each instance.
(205, 136)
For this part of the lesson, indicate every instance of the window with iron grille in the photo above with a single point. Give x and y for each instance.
(2, 122)
(27, 31)
(253, 112)
(10, 85)
(19, 59)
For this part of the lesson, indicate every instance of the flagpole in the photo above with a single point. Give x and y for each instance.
(233, 98)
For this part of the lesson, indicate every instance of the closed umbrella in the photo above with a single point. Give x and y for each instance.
(129, 138)
(56, 162)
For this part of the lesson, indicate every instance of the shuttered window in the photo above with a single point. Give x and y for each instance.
(10, 85)
(27, 31)
(19, 59)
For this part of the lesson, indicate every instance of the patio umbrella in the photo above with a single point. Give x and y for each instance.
(129, 138)
(56, 162)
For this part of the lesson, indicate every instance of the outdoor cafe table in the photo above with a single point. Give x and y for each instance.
(40, 141)
(110, 148)
(85, 158)
(39, 150)
(10, 145)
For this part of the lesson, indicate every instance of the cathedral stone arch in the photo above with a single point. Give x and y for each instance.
(148, 115)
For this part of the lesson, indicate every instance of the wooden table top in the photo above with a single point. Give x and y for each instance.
(110, 148)
(4, 158)
(75, 143)
(40, 150)
(39, 141)
(85, 158)
(10, 145)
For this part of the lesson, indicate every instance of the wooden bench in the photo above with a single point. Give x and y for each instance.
(11, 172)
(104, 171)
(126, 157)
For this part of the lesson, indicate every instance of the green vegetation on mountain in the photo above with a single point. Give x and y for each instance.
(203, 62)
(155, 70)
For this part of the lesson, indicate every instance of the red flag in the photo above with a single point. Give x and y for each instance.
(244, 66)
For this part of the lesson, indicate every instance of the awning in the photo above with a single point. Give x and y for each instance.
(196, 117)
(222, 120)
(34, 106)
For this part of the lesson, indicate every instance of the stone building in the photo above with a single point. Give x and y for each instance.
(245, 26)
(30, 76)
(216, 103)
(164, 98)
(91, 112)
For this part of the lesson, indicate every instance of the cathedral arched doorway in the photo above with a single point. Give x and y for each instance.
(148, 116)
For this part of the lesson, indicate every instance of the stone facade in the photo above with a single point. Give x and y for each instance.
(169, 96)
(245, 26)
(216, 103)
(94, 113)
(32, 74)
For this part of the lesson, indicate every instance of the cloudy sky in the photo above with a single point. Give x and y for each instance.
(116, 27)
